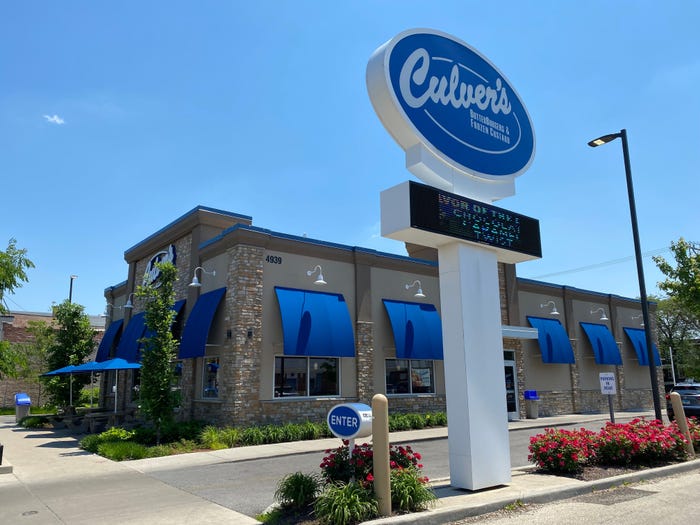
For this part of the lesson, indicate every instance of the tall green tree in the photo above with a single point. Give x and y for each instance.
(73, 342)
(13, 270)
(157, 375)
(13, 266)
(678, 332)
(682, 279)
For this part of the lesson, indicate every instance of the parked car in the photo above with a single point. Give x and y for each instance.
(690, 397)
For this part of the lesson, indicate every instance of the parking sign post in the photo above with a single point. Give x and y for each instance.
(607, 387)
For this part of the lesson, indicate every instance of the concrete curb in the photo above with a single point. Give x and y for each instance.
(442, 515)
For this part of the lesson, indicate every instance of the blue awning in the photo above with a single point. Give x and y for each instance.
(553, 339)
(110, 337)
(417, 329)
(315, 323)
(639, 340)
(128, 348)
(603, 343)
(196, 332)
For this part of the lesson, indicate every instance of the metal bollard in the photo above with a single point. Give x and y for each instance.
(380, 445)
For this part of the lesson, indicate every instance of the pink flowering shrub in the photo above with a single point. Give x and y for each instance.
(562, 450)
(338, 466)
(635, 443)
(694, 428)
(640, 442)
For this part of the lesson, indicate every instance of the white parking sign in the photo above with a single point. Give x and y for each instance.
(607, 383)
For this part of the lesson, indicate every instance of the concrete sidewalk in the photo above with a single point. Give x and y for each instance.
(54, 481)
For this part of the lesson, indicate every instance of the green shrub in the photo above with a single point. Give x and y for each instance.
(116, 434)
(158, 451)
(298, 490)
(210, 437)
(438, 419)
(88, 394)
(230, 436)
(398, 423)
(291, 432)
(252, 436)
(309, 430)
(341, 504)
(416, 421)
(34, 422)
(410, 491)
(90, 443)
(122, 450)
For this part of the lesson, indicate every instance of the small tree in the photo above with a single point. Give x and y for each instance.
(73, 342)
(13, 266)
(157, 400)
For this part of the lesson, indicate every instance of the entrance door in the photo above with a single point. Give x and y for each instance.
(511, 386)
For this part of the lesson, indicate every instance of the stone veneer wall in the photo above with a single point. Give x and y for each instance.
(244, 307)
(364, 360)
(554, 403)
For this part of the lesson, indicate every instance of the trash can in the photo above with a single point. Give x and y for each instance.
(22, 404)
(532, 404)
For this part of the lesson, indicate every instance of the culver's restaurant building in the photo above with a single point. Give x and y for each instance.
(283, 327)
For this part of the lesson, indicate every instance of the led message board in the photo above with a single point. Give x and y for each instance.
(449, 214)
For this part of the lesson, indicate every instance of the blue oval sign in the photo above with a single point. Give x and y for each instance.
(428, 87)
(350, 420)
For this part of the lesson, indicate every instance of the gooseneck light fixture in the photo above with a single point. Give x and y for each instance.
(195, 282)
(554, 307)
(319, 280)
(641, 323)
(419, 293)
(129, 305)
(622, 135)
(603, 317)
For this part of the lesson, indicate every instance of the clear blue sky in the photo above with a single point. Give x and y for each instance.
(118, 117)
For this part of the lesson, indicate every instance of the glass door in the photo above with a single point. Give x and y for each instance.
(511, 386)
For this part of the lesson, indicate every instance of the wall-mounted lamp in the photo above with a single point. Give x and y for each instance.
(109, 308)
(419, 293)
(640, 316)
(129, 305)
(319, 280)
(554, 307)
(603, 317)
(250, 333)
(195, 282)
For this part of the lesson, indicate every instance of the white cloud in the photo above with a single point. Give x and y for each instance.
(54, 119)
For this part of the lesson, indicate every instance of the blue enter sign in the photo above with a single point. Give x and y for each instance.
(350, 420)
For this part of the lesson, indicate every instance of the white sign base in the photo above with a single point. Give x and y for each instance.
(479, 447)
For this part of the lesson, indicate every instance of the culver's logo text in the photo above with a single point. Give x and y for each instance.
(150, 276)
(444, 94)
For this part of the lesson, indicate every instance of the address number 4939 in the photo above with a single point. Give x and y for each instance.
(273, 259)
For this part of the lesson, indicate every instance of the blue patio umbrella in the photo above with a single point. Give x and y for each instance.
(116, 364)
(91, 367)
(70, 369)
(60, 371)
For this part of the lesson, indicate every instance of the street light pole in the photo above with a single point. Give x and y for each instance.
(70, 290)
(640, 267)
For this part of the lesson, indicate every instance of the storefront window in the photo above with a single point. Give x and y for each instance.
(210, 383)
(306, 376)
(404, 376)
